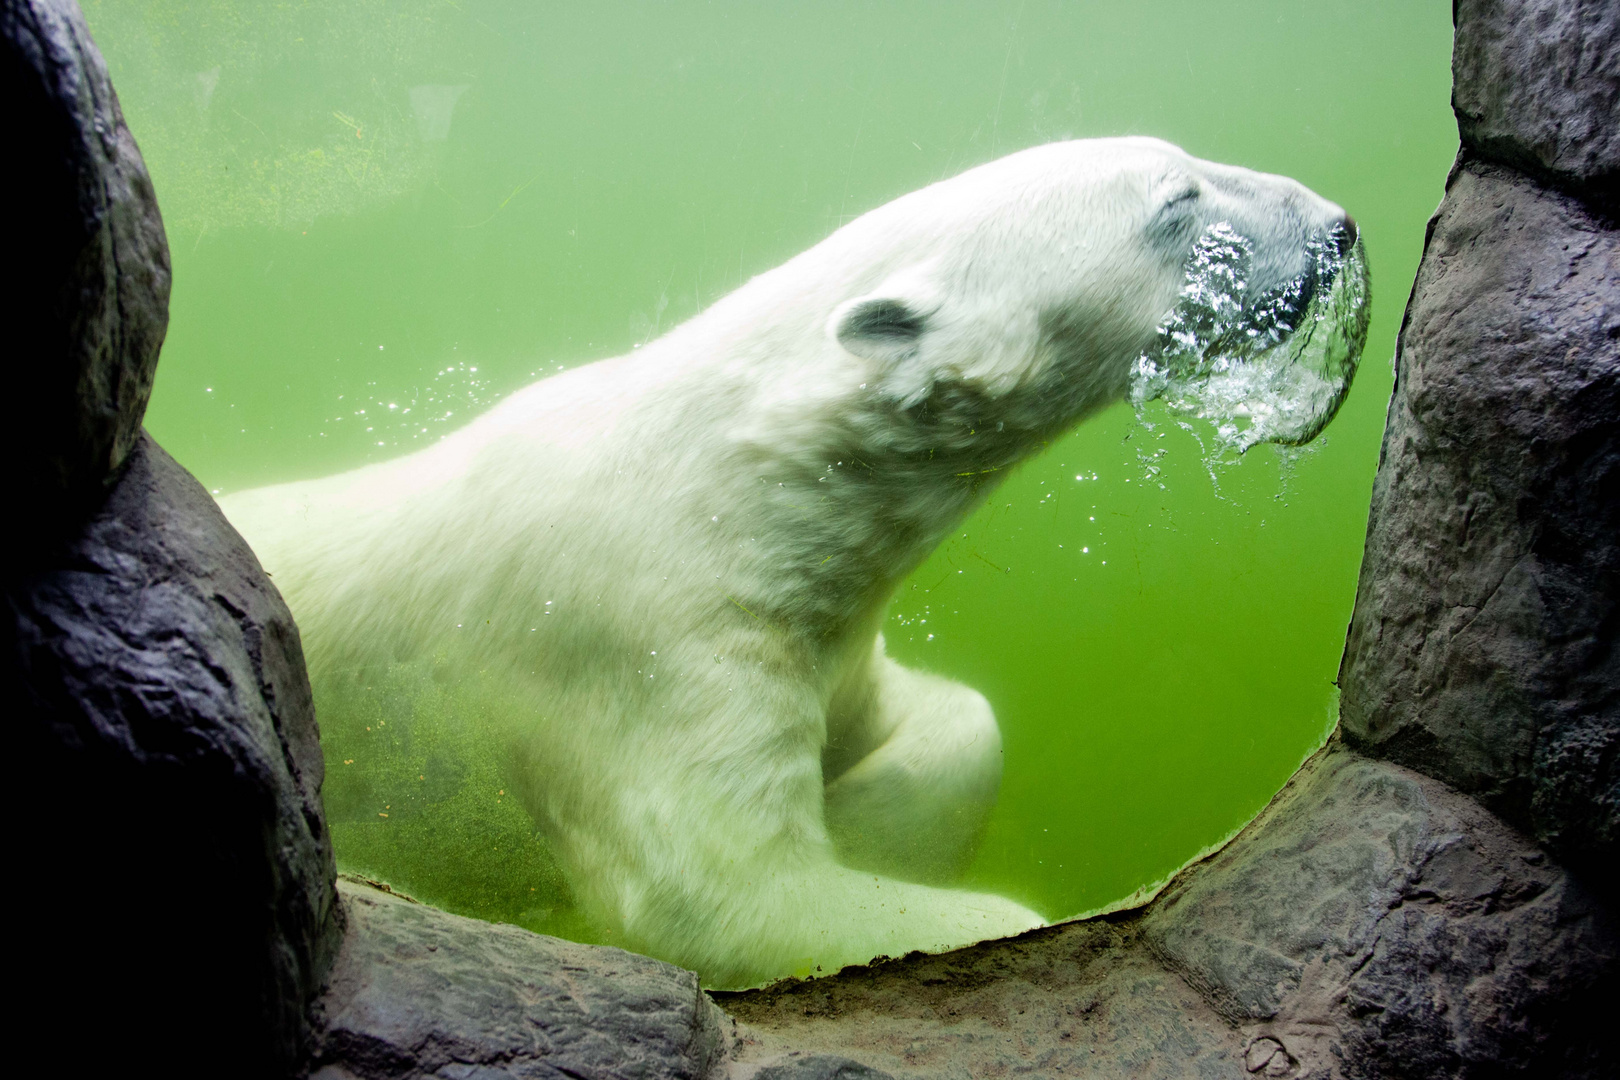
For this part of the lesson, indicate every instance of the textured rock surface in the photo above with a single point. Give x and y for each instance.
(85, 319)
(1371, 923)
(1483, 649)
(1084, 999)
(418, 992)
(1536, 85)
(156, 693)
(1374, 923)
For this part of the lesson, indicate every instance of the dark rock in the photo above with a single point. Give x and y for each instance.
(86, 314)
(162, 716)
(1376, 919)
(1482, 650)
(1536, 85)
(418, 992)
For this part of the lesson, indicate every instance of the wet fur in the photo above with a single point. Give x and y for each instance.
(705, 723)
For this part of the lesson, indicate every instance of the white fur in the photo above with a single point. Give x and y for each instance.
(675, 562)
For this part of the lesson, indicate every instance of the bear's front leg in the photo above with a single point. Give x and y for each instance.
(696, 825)
(915, 804)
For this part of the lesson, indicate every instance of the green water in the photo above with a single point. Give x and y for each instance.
(421, 205)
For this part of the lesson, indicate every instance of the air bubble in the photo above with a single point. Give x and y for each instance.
(1268, 368)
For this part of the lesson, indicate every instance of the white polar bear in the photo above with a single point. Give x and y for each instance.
(676, 562)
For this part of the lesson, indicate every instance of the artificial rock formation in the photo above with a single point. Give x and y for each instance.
(419, 992)
(1536, 86)
(162, 709)
(1483, 647)
(1371, 923)
(1376, 922)
(182, 911)
(86, 314)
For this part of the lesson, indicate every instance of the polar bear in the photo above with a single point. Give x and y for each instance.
(675, 562)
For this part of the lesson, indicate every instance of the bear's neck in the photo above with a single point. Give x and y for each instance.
(839, 493)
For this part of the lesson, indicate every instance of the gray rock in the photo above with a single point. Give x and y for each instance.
(156, 690)
(1376, 924)
(1536, 85)
(85, 319)
(1084, 999)
(1371, 923)
(1482, 650)
(417, 992)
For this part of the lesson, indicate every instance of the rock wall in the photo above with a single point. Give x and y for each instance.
(1483, 647)
(176, 834)
(419, 992)
(176, 872)
(1373, 923)
(86, 315)
(1536, 86)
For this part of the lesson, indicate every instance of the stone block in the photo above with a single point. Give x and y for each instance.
(86, 313)
(182, 909)
(1482, 649)
(1536, 85)
(418, 992)
(1373, 923)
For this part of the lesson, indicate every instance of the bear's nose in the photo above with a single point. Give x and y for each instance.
(1347, 234)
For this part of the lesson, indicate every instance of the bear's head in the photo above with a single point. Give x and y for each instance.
(1018, 295)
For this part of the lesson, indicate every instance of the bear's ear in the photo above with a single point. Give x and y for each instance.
(885, 329)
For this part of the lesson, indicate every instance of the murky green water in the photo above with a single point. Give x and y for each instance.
(386, 214)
